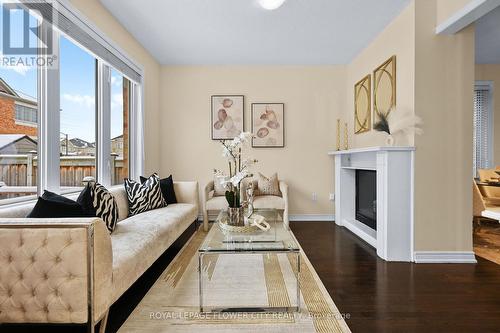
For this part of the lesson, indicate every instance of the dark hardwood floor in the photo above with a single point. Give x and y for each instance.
(378, 296)
(400, 297)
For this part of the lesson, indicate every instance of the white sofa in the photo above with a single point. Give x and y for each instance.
(72, 270)
(213, 204)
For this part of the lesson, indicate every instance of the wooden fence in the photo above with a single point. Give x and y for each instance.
(22, 171)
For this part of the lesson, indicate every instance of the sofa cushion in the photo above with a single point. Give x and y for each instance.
(105, 205)
(51, 205)
(86, 201)
(121, 200)
(216, 203)
(144, 197)
(167, 189)
(140, 239)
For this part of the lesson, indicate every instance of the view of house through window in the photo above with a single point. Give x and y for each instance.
(119, 127)
(77, 115)
(18, 125)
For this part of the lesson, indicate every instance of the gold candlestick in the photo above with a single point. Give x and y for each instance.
(338, 134)
(346, 139)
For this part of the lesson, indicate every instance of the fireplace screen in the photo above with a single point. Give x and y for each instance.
(366, 197)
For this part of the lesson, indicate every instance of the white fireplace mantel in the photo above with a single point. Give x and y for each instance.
(393, 238)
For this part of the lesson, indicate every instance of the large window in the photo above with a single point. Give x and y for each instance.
(77, 70)
(483, 127)
(67, 122)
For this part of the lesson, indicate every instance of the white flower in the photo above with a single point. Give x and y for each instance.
(238, 177)
(245, 137)
(249, 162)
(227, 154)
(236, 142)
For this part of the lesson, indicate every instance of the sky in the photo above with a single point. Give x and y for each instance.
(77, 84)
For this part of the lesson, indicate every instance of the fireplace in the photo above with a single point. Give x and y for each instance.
(374, 198)
(366, 197)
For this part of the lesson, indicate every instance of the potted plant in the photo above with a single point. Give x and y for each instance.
(233, 151)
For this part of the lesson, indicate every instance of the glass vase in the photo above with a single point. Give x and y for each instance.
(235, 216)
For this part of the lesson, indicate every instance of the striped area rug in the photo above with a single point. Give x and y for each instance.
(256, 280)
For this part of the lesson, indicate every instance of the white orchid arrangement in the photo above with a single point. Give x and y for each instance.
(239, 168)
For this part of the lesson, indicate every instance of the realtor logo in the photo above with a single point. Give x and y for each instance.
(22, 42)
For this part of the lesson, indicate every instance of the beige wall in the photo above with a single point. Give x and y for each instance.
(105, 22)
(491, 72)
(435, 77)
(446, 8)
(313, 98)
(444, 80)
(396, 39)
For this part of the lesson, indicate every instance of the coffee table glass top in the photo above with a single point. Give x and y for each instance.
(278, 238)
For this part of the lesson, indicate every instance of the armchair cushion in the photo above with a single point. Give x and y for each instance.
(268, 186)
(219, 189)
(216, 203)
(269, 201)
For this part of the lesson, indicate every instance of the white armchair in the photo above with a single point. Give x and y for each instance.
(213, 204)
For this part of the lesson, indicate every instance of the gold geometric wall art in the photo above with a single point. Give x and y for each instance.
(362, 105)
(384, 87)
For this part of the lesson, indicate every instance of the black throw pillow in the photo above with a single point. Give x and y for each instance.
(86, 201)
(52, 205)
(167, 189)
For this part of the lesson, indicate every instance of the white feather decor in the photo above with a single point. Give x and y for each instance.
(399, 122)
(404, 122)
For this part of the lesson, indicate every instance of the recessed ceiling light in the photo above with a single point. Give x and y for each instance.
(271, 4)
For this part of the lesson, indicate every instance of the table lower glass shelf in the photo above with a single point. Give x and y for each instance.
(249, 281)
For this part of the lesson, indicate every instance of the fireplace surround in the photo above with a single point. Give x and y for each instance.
(392, 236)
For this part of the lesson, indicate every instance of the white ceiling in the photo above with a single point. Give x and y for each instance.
(488, 38)
(208, 32)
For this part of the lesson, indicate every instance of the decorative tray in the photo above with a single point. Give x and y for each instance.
(247, 228)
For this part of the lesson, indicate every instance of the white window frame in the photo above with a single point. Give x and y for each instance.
(48, 121)
(136, 107)
(103, 124)
(489, 86)
(48, 89)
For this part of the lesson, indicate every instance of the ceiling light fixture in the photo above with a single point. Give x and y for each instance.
(271, 4)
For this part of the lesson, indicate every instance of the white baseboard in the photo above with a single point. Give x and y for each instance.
(293, 217)
(452, 257)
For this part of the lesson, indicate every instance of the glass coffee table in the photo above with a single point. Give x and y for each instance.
(278, 240)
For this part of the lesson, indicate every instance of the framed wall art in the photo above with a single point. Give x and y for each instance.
(227, 118)
(384, 87)
(362, 105)
(268, 125)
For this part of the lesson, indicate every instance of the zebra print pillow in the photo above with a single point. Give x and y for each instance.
(144, 197)
(105, 205)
